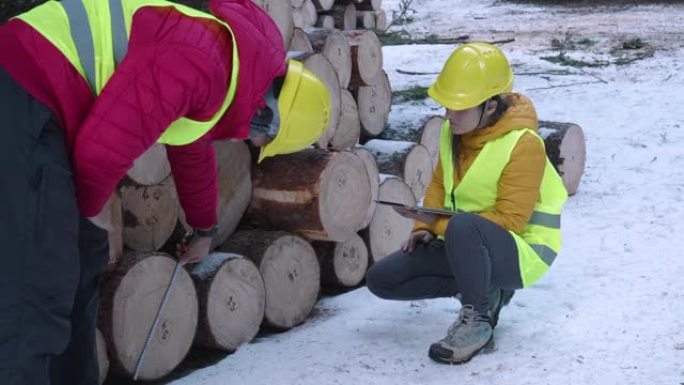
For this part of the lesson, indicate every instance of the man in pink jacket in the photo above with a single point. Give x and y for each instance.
(81, 97)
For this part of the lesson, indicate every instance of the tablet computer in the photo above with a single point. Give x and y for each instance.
(418, 209)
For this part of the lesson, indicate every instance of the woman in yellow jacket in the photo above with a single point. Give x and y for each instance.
(494, 173)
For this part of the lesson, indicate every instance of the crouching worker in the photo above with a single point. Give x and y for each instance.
(86, 87)
(493, 171)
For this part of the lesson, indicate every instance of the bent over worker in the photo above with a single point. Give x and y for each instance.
(493, 171)
(87, 86)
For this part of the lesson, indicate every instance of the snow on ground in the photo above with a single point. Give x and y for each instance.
(611, 310)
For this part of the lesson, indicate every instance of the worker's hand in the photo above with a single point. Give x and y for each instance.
(193, 248)
(426, 218)
(416, 237)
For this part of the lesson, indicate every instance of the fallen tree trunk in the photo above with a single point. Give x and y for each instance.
(318, 64)
(409, 161)
(428, 134)
(150, 214)
(366, 52)
(375, 102)
(300, 42)
(289, 269)
(231, 301)
(566, 149)
(374, 178)
(151, 168)
(334, 46)
(131, 296)
(320, 194)
(305, 16)
(281, 13)
(348, 130)
(343, 264)
(388, 230)
(344, 16)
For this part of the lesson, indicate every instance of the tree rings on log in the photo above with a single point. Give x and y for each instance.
(334, 46)
(367, 60)
(290, 271)
(409, 161)
(343, 264)
(348, 130)
(320, 194)
(388, 230)
(374, 104)
(232, 300)
(131, 297)
(150, 214)
(374, 178)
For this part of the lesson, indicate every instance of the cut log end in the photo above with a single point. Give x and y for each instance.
(151, 168)
(348, 130)
(149, 215)
(102, 359)
(232, 301)
(566, 149)
(374, 103)
(343, 264)
(373, 176)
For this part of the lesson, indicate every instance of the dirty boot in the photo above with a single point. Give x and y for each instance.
(498, 298)
(467, 336)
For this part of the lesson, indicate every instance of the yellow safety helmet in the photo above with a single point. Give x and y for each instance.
(304, 109)
(473, 73)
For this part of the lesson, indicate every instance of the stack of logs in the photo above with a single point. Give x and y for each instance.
(303, 220)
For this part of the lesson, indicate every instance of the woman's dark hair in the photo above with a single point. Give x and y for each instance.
(501, 107)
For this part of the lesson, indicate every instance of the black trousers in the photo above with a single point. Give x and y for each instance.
(51, 259)
(476, 257)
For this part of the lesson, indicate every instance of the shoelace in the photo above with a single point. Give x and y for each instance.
(467, 316)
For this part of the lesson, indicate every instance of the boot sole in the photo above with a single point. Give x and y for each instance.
(441, 360)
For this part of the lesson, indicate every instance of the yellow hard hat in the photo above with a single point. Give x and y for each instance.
(304, 108)
(473, 73)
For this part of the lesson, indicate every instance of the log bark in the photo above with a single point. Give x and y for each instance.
(130, 299)
(232, 300)
(281, 12)
(149, 215)
(325, 21)
(102, 359)
(407, 160)
(344, 16)
(289, 269)
(374, 178)
(300, 42)
(343, 264)
(367, 59)
(234, 185)
(334, 46)
(320, 194)
(566, 149)
(318, 64)
(151, 168)
(306, 16)
(374, 102)
(388, 230)
(348, 130)
(365, 19)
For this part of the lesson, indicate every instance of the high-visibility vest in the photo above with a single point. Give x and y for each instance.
(93, 36)
(540, 241)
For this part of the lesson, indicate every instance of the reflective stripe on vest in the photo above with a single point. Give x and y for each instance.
(540, 241)
(93, 36)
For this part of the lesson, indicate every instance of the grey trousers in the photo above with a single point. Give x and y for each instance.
(51, 259)
(476, 257)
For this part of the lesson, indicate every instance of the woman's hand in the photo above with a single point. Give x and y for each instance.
(416, 237)
(426, 218)
(193, 248)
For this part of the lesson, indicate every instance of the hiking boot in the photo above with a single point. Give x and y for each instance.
(498, 298)
(467, 336)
